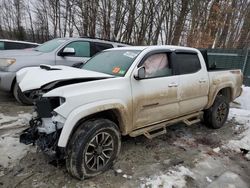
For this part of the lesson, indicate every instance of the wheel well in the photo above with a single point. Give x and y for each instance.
(112, 115)
(226, 92)
(13, 84)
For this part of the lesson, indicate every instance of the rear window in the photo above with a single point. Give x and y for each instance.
(187, 63)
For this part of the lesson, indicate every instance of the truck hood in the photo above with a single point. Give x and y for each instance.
(18, 53)
(32, 78)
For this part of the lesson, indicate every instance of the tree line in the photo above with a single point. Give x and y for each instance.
(196, 23)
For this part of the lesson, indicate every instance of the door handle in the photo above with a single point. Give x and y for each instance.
(173, 85)
(202, 80)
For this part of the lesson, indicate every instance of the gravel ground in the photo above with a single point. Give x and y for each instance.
(187, 156)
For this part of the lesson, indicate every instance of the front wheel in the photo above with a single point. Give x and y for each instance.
(216, 116)
(20, 97)
(93, 148)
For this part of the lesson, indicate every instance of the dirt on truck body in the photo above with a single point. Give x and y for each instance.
(140, 91)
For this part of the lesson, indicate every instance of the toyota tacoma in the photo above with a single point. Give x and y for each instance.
(81, 114)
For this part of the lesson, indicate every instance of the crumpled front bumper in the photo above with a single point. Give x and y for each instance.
(45, 127)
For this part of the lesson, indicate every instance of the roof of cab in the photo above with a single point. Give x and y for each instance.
(155, 47)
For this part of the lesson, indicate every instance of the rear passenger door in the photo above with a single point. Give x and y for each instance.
(193, 81)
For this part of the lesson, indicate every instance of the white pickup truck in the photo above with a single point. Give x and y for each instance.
(82, 113)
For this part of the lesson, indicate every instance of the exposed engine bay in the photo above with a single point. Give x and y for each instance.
(45, 126)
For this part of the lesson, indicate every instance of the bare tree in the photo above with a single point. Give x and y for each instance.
(207, 23)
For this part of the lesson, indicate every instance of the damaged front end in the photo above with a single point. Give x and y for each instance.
(45, 126)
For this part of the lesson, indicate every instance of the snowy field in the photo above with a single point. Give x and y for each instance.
(192, 156)
(241, 116)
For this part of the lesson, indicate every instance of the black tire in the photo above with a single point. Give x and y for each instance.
(20, 97)
(216, 116)
(80, 150)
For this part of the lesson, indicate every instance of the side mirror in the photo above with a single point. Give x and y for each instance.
(78, 65)
(68, 51)
(140, 73)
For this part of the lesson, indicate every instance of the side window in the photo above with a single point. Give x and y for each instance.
(82, 48)
(1, 45)
(13, 45)
(30, 45)
(157, 65)
(98, 47)
(187, 63)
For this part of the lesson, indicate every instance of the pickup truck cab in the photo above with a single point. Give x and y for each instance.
(59, 51)
(82, 113)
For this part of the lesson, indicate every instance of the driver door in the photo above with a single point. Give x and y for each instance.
(155, 98)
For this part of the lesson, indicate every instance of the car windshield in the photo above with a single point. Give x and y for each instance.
(115, 62)
(50, 45)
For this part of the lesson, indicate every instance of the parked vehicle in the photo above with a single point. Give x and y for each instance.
(60, 51)
(82, 113)
(15, 45)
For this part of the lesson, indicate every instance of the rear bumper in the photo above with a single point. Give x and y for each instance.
(6, 79)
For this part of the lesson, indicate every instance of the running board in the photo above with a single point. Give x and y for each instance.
(191, 122)
(154, 133)
(159, 128)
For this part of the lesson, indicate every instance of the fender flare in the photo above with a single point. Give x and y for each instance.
(213, 94)
(91, 108)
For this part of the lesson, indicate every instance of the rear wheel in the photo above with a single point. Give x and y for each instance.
(93, 148)
(216, 116)
(20, 97)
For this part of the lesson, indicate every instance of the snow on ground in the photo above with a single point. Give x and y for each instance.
(176, 177)
(242, 118)
(173, 178)
(11, 149)
(12, 121)
(244, 99)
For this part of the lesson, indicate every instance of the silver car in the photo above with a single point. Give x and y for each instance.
(59, 51)
(6, 44)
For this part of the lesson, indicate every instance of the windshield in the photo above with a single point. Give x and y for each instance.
(50, 45)
(115, 62)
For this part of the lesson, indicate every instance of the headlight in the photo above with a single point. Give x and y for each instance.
(5, 62)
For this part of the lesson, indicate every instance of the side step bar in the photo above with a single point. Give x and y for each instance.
(152, 134)
(191, 122)
(159, 128)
